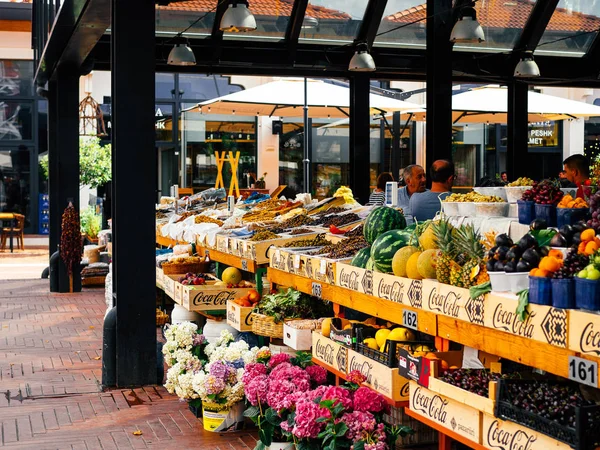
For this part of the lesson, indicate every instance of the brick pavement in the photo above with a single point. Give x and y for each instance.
(50, 373)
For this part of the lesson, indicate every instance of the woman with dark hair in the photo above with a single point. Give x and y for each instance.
(378, 195)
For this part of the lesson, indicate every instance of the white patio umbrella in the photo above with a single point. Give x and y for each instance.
(490, 104)
(285, 98)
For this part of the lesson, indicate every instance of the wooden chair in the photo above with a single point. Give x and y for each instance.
(16, 231)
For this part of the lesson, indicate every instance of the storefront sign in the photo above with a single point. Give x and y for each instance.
(543, 134)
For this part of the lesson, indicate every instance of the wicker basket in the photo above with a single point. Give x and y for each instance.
(265, 326)
(172, 269)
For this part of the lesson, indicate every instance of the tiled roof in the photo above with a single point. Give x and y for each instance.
(260, 8)
(510, 14)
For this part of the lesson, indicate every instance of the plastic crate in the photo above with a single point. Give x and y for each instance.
(579, 437)
(389, 357)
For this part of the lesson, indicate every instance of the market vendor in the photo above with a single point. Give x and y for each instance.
(425, 205)
(577, 168)
(414, 177)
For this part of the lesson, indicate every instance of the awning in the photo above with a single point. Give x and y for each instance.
(489, 104)
(285, 98)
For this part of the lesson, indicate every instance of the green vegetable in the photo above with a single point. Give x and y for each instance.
(480, 289)
(543, 237)
(292, 304)
(522, 312)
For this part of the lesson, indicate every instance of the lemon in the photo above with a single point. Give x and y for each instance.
(371, 343)
(381, 336)
(326, 327)
(401, 334)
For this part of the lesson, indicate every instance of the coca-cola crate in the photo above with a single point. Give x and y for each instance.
(209, 297)
(580, 437)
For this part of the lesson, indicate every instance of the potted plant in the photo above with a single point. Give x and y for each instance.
(91, 224)
(260, 183)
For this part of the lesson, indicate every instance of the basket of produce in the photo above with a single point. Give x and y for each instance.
(161, 317)
(496, 191)
(185, 264)
(514, 191)
(274, 309)
(491, 209)
(558, 410)
(383, 345)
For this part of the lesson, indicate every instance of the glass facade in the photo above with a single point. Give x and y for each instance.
(20, 116)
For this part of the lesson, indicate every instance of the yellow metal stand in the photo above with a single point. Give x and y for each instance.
(234, 161)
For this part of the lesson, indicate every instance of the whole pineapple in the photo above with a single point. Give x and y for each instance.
(468, 243)
(442, 231)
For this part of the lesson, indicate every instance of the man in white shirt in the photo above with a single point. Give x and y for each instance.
(415, 179)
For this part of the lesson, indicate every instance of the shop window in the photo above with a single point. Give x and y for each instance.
(16, 78)
(163, 122)
(15, 120)
(15, 181)
(205, 87)
(164, 85)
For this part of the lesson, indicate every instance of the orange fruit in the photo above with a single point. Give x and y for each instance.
(444, 365)
(588, 235)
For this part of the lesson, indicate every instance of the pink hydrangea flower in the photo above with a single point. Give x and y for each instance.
(359, 423)
(256, 389)
(214, 385)
(356, 377)
(366, 399)
(278, 359)
(252, 370)
(317, 374)
(306, 425)
(339, 394)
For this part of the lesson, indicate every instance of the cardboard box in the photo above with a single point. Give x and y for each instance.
(354, 278)
(239, 317)
(321, 269)
(454, 416)
(385, 380)
(421, 369)
(297, 339)
(209, 297)
(160, 277)
(584, 332)
(329, 353)
(500, 434)
(544, 323)
(483, 404)
(259, 251)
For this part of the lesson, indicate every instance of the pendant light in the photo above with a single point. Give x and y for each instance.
(237, 18)
(181, 54)
(527, 67)
(362, 61)
(309, 23)
(467, 29)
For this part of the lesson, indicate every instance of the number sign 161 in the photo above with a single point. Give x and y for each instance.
(583, 371)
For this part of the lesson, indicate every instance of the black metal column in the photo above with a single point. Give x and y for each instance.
(134, 168)
(64, 159)
(438, 135)
(397, 160)
(55, 213)
(517, 146)
(359, 153)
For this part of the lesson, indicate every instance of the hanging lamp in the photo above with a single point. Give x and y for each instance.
(237, 18)
(467, 29)
(527, 67)
(362, 61)
(181, 54)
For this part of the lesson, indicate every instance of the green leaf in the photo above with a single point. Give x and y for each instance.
(252, 411)
(337, 409)
(543, 237)
(321, 419)
(522, 312)
(272, 417)
(360, 445)
(341, 428)
(260, 446)
(480, 289)
(327, 404)
(266, 433)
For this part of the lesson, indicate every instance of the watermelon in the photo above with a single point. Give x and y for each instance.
(370, 265)
(380, 220)
(385, 247)
(361, 258)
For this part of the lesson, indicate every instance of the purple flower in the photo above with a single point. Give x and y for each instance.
(238, 363)
(220, 370)
(214, 385)
(198, 339)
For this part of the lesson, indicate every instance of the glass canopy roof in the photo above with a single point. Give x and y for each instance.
(573, 27)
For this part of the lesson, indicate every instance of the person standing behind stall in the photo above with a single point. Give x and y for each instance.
(577, 168)
(426, 205)
(415, 179)
(378, 195)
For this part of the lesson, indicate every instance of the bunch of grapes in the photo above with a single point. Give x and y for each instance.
(594, 222)
(476, 381)
(573, 263)
(552, 401)
(544, 193)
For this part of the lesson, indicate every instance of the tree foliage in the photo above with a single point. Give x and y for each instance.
(94, 162)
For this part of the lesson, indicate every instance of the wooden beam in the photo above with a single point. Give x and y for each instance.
(15, 25)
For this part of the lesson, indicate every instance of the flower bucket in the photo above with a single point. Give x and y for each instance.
(281, 446)
(220, 420)
(587, 294)
(563, 293)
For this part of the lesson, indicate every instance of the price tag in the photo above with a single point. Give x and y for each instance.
(316, 290)
(245, 246)
(583, 371)
(323, 267)
(409, 319)
(296, 261)
(234, 244)
(244, 264)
